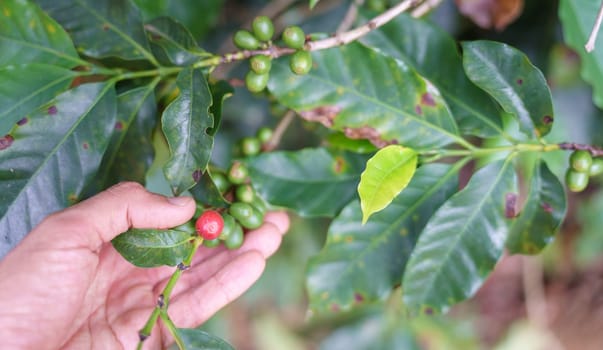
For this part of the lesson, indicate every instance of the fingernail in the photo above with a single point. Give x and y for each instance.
(179, 201)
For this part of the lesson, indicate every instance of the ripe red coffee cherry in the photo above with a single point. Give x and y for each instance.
(209, 225)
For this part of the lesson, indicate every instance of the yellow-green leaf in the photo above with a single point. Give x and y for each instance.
(387, 173)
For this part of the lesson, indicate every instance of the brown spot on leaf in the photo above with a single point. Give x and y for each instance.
(418, 109)
(85, 145)
(52, 110)
(546, 207)
(23, 121)
(105, 26)
(427, 100)
(72, 198)
(428, 311)
(510, 205)
(324, 115)
(358, 297)
(6, 141)
(547, 119)
(520, 81)
(119, 126)
(368, 133)
(335, 308)
(197, 175)
(491, 13)
(339, 165)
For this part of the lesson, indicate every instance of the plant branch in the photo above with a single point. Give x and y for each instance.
(164, 298)
(476, 152)
(172, 328)
(350, 16)
(279, 131)
(425, 7)
(571, 146)
(356, 33)
(590, 44)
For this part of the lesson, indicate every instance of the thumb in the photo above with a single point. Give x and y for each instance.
(100, 218)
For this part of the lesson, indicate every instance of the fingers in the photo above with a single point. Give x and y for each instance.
(201, 302)
(114, 211)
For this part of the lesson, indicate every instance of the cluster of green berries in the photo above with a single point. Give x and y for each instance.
(253, 145)
(245, 212)
(582, 167)
(260, 37)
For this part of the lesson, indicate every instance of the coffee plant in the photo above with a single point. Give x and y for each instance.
(400, 109)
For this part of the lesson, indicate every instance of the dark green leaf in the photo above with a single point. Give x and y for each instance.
(28, 35)
(172, 43)
(195, 339)
(361, 263)
(151, 248)
(220, 91)
(508, 76)
(185, 123)
(55, 154)
(578, 18)
(313, 182)
(542, 213)
(102, 28)
(367, 94)
(130, 152)
(434, 54)
(205, 192)
(26, 87)
(461, 242)
(387, 173)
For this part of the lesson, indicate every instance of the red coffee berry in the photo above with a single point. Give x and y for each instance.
(209, 225)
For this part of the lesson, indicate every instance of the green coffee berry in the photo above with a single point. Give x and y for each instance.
(581, 161)
(259, 204)
(221, 182)
(245, 193)
(294, 37)
(211, 243)
(256, 82)
(576, 181)
(300, 62)
(251, 146)
(238, 173)
(245, 40)
(260, 64)
(262, 27)
(229, 225)
(264, 134)
(248, 216)
(596, 168)
(235, 238)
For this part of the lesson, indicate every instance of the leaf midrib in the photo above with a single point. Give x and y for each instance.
(48, 49)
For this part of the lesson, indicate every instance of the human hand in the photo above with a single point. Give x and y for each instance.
(65, 286)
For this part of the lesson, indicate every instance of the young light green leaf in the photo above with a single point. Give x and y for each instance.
(29, 35)
(510, 78)
(360, 264)
(196, 339)
(541, 215)
(313, 181)
(61, 144)
(434, 54)
(577, 19)
(26, 87)
(367, 94)
(462, 241)
(313, 3)
(151, 248)
(102, 28)
(185, 123)
(387, 173)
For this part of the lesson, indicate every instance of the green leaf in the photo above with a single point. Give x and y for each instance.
(362, 263)
(27, 87)
(172, 43)
(130, 152)
(508, 76)
(102, 28)
(577, 19)
(220, 91)
(462, 241)
(542, 214)
(340, 141)
(369, 95)
(205, 192)
(151, 248)
(434, 54)
(313, 3)
(29, 35)
(387, 173)
(196, 339)
(313, 182)
(54, 155)
(185, 123)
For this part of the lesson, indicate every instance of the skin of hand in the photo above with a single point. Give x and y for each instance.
(65, 286)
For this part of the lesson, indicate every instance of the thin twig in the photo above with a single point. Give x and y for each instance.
(356, 33)
(350, 16)
(425, 7)
(571, 146)
(590, 44)
(279, 131)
